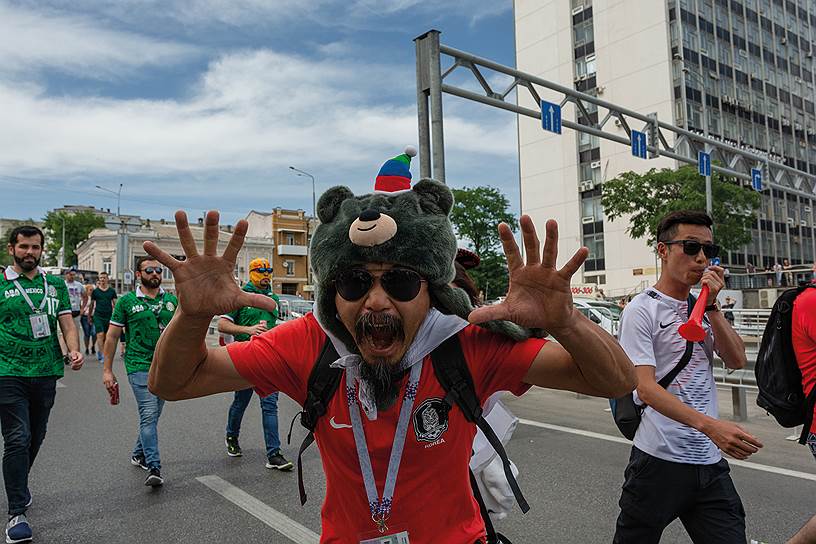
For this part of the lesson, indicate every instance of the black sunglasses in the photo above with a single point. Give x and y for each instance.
(153, 269)
(693, 247)
(400, 283)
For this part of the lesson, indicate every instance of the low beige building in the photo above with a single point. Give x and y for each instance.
(98, 252)
(290, 231)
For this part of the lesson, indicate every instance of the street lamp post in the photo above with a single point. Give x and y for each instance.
(301, 173)
(120, 236)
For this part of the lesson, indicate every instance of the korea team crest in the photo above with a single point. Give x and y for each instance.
(430, 420)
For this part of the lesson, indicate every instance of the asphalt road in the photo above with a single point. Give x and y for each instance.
(86, 491)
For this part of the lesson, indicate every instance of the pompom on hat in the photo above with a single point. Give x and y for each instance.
(395, 174)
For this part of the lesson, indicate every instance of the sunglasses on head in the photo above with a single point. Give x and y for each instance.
(693, 247)
(153, 270)
(401, 284)
(262, 270)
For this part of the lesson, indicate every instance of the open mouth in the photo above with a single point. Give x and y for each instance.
(380, 333)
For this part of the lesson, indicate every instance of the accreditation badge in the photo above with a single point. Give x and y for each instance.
(39, 325)
(396, 538)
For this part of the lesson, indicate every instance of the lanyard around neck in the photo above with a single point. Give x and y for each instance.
(28, 299)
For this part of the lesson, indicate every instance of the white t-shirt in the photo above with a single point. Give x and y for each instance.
(649, 336)
(75, 290)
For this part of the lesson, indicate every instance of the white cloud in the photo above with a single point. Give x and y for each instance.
(32, 40)
(250, 111)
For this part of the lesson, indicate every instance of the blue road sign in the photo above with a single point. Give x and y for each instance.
(704, 163)
(639, 144)
(551, 117)
(756, 179)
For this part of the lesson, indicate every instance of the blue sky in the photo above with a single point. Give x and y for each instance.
(201, 104)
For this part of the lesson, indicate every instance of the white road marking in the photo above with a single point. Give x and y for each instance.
(289, 528)
(621, 440)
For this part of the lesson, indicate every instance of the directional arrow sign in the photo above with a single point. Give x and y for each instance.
(639, 144)
(551, 117)
(704, 163)
(756, 179)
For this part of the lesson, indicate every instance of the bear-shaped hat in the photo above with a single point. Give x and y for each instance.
(397, 224)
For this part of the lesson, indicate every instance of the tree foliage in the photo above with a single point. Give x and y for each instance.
(648, 197)
(78, 225)
(476, 215)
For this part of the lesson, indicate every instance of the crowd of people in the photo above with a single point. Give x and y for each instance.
(390, 363)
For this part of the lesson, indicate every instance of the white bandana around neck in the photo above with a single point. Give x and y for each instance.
(435, 329)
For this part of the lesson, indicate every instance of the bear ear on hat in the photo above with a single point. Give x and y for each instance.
(330, 201)
(434, 197)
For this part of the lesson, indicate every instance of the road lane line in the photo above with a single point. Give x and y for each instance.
(621, 440)
(289, 528)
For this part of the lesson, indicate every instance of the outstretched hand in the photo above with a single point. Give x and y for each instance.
(204, 283)
(539, 295)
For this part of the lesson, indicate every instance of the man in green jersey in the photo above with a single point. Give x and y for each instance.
(103, 300)
(244, 323)
(144, 313)
(32, 305)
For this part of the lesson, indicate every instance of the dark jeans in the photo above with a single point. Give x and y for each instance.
(269, 417)
(25, 404)
(656, 492)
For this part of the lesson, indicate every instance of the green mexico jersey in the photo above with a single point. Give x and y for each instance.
(249, 316)
(103, 302)
(143, 319)
(21, 353)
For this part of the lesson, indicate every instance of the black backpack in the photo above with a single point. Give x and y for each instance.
(452, 373)
(777, 372)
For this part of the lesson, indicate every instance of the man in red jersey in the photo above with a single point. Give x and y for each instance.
(392, 449)
(803, 336)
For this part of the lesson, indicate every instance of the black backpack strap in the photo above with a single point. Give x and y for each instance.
(809, 404)
(684, 360)
(453, 374)
(489, 529)
(323, 383)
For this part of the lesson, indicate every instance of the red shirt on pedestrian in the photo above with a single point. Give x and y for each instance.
(433, 500)
(803, 334)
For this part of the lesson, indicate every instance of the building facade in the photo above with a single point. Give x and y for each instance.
(741, 71)
(98, 252)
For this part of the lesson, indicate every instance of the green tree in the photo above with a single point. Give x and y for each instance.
(476, 215)
(648, 197)
(77, 227)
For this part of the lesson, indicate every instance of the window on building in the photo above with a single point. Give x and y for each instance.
(106, 265)
(289, 266)
(290, 239)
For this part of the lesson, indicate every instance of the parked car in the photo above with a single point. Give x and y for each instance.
(605, 314)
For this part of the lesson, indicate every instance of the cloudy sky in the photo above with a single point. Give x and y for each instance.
(201, 104)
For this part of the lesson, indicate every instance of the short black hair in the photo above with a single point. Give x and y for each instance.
(667, 228)
(27, 231)
(142, 259)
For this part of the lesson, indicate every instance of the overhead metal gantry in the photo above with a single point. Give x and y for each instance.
(664, 139)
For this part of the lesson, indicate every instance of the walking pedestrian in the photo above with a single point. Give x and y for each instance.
(677, 444)
(86, 321)
(33, 305)
(103, 299)
(243, 324)
(76, 294)
(144, 314)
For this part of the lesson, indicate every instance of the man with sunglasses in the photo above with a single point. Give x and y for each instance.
(243, 324)
(144, 314)
(676, 467)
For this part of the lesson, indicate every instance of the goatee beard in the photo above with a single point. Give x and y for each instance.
(151, 283)
(27, 266)
(379, 373)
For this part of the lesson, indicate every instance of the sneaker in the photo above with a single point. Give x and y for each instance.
(86, 351)
(18, 530)
(139, 461)
(233, 449)
(154, 479)
(93, 349)
(279, 462)
(99, 356)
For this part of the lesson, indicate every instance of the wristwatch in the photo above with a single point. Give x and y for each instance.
(713, 307)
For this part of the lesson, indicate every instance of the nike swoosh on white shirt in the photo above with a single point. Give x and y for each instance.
(336, 425)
